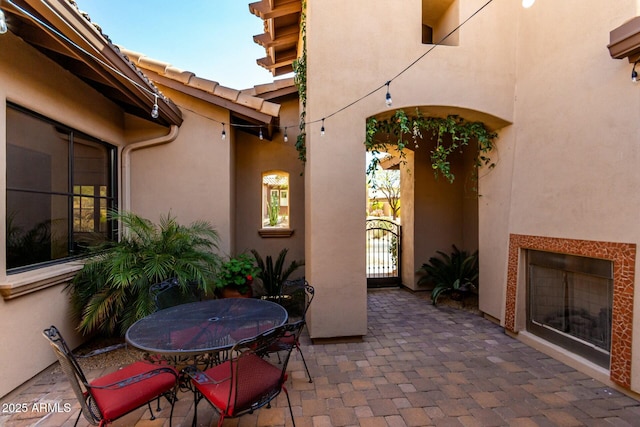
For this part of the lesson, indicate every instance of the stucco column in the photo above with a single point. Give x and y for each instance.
(335, 229)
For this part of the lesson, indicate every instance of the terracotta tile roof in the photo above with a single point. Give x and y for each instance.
(65, 34)
(189, 79)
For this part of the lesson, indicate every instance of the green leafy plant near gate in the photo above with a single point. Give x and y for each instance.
(455, 274)
(451, 134)
(111, 291)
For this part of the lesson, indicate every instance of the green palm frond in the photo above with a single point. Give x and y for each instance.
(112, 290)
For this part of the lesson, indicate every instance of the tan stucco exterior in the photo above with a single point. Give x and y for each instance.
(566, 159)
(565, 111)
(37, 83)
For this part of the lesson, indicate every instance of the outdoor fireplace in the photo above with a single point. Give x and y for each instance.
(569, 302)
(622, 259)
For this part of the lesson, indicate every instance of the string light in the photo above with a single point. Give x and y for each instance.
(388, 99)
(3, 23)
(154, 110)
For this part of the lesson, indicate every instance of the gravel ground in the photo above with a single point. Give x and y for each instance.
(121, 354)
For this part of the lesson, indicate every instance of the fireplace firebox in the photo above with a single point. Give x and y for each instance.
(570, 301)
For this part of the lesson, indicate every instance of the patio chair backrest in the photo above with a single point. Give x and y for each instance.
(248, 380)
(169, 293)
(296, 296)
(74, 374)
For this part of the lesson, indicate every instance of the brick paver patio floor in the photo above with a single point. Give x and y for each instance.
(418, 365)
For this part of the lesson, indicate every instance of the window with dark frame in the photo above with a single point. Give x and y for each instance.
(60, 186)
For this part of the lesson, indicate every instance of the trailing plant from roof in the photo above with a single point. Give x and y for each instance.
(300, 80)
(402, 129)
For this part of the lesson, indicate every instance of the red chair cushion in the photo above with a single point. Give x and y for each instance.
(114, 403)
(256, 378)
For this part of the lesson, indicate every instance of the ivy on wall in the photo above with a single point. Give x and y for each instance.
(300, 80)
(403, 129)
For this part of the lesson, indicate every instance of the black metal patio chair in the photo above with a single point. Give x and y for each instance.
(169, 293)
(246, 381)
(296, 296)
(111, 396)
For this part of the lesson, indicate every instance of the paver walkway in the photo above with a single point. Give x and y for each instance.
(418, 365)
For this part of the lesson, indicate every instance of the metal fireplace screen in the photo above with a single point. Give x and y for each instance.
(570, 302)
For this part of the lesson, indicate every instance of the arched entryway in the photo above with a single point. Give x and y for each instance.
(437, 212)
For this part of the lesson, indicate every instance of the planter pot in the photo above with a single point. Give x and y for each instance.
(233, 292)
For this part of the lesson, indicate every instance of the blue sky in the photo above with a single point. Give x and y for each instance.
(211, 38)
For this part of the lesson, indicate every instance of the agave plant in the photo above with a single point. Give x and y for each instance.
(455, 274)
(111, 291)
(272, 275)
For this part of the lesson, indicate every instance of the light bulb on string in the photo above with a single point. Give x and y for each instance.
(154, 110)
(224, 133)
(260, 135)
(322, 128)
(3, 23)
(388, 99)
(286, 138)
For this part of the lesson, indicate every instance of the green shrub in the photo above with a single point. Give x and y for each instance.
(111, 291)
(455, 274)
(272, 275)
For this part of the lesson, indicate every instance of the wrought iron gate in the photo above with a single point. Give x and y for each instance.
(383, 253)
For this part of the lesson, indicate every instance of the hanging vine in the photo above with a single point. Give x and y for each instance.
(300, 80)
(403, 129)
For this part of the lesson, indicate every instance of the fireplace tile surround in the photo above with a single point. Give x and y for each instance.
(623, 256)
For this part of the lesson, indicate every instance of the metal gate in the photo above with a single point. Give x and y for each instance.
(383, 253)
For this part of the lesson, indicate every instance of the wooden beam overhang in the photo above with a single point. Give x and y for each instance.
(282, 33)
(624, 41)
(58, 30)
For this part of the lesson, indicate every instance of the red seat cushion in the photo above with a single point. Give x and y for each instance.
(114, 403)
(255, 379)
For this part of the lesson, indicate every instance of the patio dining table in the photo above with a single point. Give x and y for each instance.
(199, 332)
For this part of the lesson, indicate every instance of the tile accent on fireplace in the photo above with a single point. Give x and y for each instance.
(623, 256)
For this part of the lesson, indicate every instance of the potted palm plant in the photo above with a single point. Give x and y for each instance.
(235, 277)
(112, 290)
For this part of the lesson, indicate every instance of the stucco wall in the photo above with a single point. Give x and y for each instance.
(576, 131)
(32, 81)
(190, 177)
(348, 58)
(254, 157)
